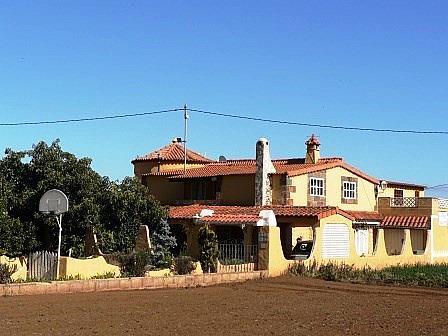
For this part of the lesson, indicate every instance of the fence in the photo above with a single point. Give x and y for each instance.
(237, 258)
(42, 265)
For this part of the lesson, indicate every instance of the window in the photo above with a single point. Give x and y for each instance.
(349, 190)
(316, 186)
(398, 193)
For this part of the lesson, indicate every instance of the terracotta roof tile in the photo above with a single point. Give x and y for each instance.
(405, 185)
(402, 222)
(231, 219)
(291, 167)
(366, 215)
(220, 211)
(173, 152)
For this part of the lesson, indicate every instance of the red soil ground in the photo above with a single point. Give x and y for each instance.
(279, 306)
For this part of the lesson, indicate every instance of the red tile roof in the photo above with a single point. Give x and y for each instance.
(243, 213)
(173, 152)
(405, 185)
(291, 167)
(366, 215)
(403, 222)
(231, 219)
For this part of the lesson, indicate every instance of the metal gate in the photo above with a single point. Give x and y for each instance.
(237, 258)
(42, 265)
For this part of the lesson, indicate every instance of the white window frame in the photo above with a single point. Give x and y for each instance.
(317, 186)
(349, 190)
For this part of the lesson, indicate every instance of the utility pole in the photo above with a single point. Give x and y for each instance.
(185, 137)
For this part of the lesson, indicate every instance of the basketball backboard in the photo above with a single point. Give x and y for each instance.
(53, 201)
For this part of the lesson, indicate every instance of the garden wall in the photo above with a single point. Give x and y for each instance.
(100, 285)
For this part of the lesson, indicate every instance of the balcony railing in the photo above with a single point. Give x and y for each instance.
(404, 202)
(443, 203)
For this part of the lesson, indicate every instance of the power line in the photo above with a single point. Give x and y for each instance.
(439, 186)
(228, 115)
(64, 121)
(275, 121)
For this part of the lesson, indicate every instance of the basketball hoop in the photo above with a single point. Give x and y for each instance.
(55, 202)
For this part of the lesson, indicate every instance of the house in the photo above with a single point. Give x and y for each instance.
(350, 215)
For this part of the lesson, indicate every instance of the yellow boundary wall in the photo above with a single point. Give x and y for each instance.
(271, 254)
(20, 263)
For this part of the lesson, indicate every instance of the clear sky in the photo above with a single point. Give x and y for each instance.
(377, 64)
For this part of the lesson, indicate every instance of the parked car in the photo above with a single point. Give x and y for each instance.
(302, 250)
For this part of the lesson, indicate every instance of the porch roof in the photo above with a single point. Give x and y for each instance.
(405, 222)
(369, 216)
(250, 214)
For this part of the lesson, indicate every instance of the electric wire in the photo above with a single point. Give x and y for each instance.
(229, 115)
(87, 119)
(368, 129)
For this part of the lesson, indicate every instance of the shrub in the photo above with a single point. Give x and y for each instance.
(184, 265)
(6, 271)
(208, 249)
(106, 275)
(134, 264)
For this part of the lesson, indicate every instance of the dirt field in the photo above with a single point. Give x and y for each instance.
(280, 306)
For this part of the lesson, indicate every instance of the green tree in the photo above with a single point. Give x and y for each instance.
(115, 210)
(208, 249)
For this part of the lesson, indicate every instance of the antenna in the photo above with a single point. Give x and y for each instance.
(185, 137)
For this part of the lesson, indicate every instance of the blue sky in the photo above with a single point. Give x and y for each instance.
(354, 63)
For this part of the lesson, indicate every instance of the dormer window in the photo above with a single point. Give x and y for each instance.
(317, 186)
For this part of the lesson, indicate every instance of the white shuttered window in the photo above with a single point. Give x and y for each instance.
(317, 186)
(335, 242)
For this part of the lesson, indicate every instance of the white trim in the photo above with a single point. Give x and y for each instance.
(432, 237)
(373, 223)
(441, 253)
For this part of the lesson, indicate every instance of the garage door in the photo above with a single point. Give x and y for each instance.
(335, 241)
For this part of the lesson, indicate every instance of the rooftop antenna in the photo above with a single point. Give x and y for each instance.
(185, 137)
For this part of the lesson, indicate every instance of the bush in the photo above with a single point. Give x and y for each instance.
(106, 275)
(184, 265)
(6, 271)
(411, 275)
(208, 249)
(134, 264)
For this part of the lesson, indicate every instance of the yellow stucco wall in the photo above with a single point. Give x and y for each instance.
(272, 258)
(20, 263)
(393, 240)
(165, 191)
(145, 167)
(300, 196)
(238, 190)
(407, 192)
(86, 268)
(366, 191)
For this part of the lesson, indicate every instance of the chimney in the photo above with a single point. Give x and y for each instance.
(263, 190)
(312, 150)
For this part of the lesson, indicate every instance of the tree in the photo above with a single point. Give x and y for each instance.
(115, 210)
(208, 249)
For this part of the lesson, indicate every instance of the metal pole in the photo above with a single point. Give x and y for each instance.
(185, 137)
(59, 220)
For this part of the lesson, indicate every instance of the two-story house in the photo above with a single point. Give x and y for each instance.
(312, 198)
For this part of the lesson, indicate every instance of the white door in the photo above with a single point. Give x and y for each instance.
(362, 241)
(335, 242)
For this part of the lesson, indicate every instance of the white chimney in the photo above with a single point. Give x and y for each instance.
(263, 190)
